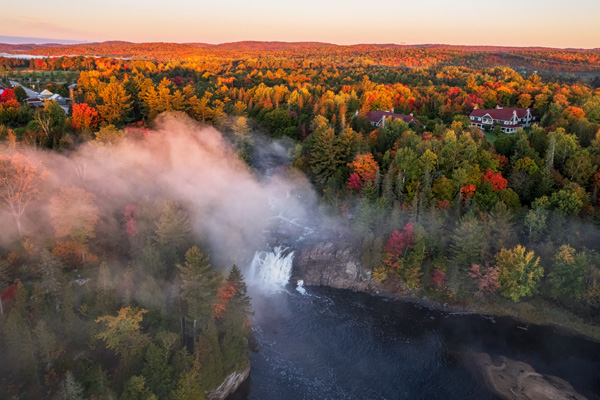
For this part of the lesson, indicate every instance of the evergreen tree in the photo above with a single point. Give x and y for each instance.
(500, 227)
(50, 269)
(199, 285)
(189, 386)
(19, 341)
(4, 281)
(233, 321)
(47, 345)
(151, 261)
(173, 232)
(98, 384)
(469, 242)
(106, 300)
(70, 389)
(135, 389)
(566, 279)
(469, 245)
(326, 154)
(208, 355)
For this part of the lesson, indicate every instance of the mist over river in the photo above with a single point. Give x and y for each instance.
(338, 344)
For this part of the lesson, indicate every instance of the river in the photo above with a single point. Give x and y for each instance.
(337, 344)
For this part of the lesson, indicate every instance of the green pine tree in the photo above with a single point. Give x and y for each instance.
(208, 355)
(70, 389)
(158, 372)
(135, 389)
(199, 285)
(173, 232)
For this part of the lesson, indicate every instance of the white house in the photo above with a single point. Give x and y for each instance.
(509, 119)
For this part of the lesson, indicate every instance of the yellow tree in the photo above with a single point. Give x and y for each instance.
(520, 271)
(122, 333)
(161, 99)
(116, 103)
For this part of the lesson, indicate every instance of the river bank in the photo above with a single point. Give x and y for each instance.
(336, 265)
(343, 344)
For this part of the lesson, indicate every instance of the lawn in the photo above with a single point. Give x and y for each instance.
(491, 137)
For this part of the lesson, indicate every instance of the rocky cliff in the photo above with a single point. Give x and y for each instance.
(330, 264)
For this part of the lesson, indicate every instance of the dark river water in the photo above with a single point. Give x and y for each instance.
(337, 344)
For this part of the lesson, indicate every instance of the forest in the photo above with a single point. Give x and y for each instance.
(115, 289)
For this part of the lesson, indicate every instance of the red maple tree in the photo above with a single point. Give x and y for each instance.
(400, 241)
(84, 117)
(497, 181)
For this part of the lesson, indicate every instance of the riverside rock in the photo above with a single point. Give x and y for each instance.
(511, 379)
(330, 264)
(229, 385)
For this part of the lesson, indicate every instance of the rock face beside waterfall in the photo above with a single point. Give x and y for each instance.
(329, 264)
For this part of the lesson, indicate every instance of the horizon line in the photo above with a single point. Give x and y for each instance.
(73, 42)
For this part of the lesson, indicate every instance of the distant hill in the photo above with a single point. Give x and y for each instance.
(121, 48)
(390, 54)
(9, 48)
(272, 46)
(35, 41)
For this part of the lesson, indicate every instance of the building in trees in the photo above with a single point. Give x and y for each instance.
(508, 119)
(377, 118)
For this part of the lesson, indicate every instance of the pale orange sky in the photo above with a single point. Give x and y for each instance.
(551, 23)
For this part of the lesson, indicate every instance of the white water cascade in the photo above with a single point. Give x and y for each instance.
(271, 270)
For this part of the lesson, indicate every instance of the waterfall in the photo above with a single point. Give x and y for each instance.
(271, 270)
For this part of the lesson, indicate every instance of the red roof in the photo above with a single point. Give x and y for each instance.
(504, 114)
(375, 116)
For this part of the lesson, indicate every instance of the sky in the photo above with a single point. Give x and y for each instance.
(552, 23)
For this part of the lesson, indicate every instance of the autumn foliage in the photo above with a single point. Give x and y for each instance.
(485, 278)
(84, 117)
(7, 95)
(400, 241)
(438, 277)
(496, 180)
(574, 112)
(20, 179)
(364, 169)
(225, 292)
(467, 191)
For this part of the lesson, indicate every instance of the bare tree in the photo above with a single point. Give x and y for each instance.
(20, 179)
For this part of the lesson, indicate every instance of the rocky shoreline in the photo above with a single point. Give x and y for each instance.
(337, 265)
